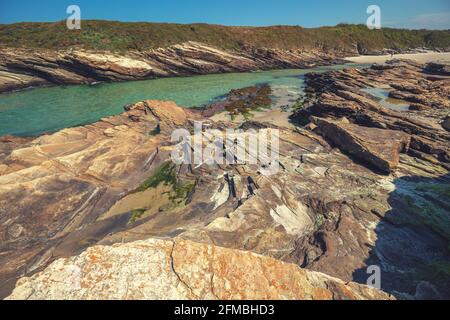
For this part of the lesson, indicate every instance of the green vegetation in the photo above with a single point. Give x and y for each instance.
(329, 218)
(121, 36)
(172, 193)
(166, 174)
(299, 104)
(247, 115)
(182, 191)
(319, 221)
(429, 214)
(436, 188)
(136, 215)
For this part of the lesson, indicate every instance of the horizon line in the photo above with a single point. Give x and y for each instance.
(218, 24)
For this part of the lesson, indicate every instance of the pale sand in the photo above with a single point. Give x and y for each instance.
(430, 56)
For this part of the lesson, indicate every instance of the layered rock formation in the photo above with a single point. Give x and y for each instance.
(338, 94)
(21, 68)
(179, 270)
(327, 209)
(377, 131)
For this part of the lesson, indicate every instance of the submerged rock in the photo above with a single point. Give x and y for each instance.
(241, 101)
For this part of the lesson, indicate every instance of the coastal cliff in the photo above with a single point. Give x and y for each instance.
(116, 51)
(22, 68)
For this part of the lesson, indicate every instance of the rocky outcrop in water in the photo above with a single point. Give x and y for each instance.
(21, 68)
(241, 101)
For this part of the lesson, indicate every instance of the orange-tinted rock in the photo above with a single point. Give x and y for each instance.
(157, 269)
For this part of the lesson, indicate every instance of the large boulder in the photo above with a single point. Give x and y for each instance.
(157, 269)
(377, 147)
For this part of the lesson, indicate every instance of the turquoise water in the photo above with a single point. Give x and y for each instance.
(39, 110)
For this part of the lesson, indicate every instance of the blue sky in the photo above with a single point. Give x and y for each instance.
(413, 14)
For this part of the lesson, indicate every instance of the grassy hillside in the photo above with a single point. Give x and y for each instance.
(120, 36)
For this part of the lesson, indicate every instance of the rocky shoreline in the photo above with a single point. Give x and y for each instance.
(24, 68)
(378, 195)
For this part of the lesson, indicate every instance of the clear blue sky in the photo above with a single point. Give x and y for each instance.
(414, 14)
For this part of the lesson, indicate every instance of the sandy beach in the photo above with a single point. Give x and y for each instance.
(431, 56)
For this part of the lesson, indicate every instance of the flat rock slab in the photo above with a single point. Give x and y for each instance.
(378, 147)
